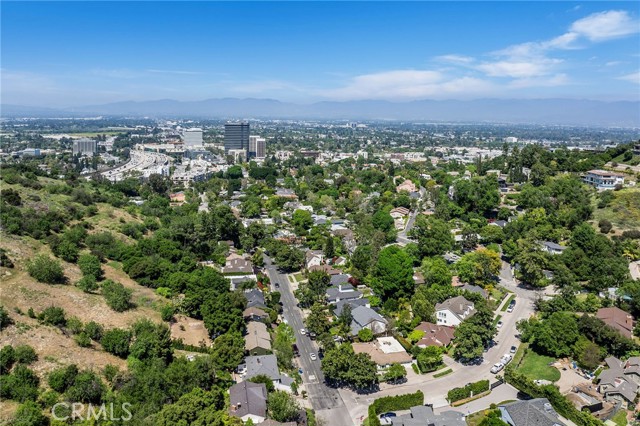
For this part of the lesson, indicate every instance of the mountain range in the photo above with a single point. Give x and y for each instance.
(516, 111)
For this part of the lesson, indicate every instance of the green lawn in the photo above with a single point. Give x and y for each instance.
(536, 367)
(298, 276)
(506, 305)
(620, 419)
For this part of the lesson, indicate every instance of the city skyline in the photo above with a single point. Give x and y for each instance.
(96, 52)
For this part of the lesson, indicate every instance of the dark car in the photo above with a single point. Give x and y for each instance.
(387, 415)
(277, 285)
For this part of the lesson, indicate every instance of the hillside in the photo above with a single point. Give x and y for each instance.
(623, 210)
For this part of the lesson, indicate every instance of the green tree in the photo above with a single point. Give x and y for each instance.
(193, 408)
(266, 380)
(87, 284)
(46, 270)
(479, 267)
(318, 320)
(116, 341)
(393, 274)
(117, 296)
(87, 387)
(62, 378)
(228, 351)
(282, 406)
(7, 358)
(395, 373)
(433, 235)
(25, 354)
(301, 221)
(53, 315)
(436, 271)
(90, 266)
(30, 414)
(365, 335)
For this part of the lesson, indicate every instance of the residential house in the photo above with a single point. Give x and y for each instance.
(257, 341)
(384, 351)
(254, 314)
(365, 317)
(423, 415)
(399, 212)
(326, 268)
(248, 400)
(340, 279)
(434, 334)
(340, 292)
(533, 412)
(177, 198)
(602, 179)
(238, 270)
(271, 422)
(552, 248)
(407, 186)
(314, 258)
(265, 365)
(621, 381)
(453, 311)
(353, 303)
(286, 193)
(617, 319)
(475, 289)
(255, 298)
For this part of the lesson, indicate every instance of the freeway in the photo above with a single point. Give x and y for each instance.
(325, 400)
(435, 390)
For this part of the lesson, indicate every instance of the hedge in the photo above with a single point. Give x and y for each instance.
(392, 403)
(456, 394)
(561, 404)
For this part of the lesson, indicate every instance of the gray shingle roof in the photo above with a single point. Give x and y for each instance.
(363, 316)
(534, 412)
(423, 416)
(248, 398)
(458, 305)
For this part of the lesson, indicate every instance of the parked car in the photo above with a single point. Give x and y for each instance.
(497, 368)
(312, 356)
(513, 349)
(506, 359)
(303, 331)
(499, 324)
(389, 414)
(510, 308)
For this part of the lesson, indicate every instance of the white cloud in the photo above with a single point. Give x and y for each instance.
(519, 67)
(634, 77)
(408, 84)
(177, 72)
(456, 59)
(606, 25)
(548, 81)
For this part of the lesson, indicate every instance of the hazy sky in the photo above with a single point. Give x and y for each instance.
(79, 53)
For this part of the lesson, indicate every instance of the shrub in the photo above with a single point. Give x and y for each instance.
(5, 319)
(21, 385)
(74, 325)
(83, 340)
(46, 270)
(7, 358)
(166, 312)
(110, 372)
(365, 335)
(605, 226)
(87, 387)
(93, 330)
(53, 316)
(116, 295)
(457, 394)
(30, 414)
(90, 266)
(24, 354)
(116, 341)
(62, 378)
(87, 284)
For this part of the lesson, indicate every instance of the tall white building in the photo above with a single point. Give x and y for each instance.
(257, 147)
(85, 146)
(192, 137)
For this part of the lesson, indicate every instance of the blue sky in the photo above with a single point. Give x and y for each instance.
(80, 53)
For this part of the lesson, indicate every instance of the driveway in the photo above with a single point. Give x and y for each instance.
(324, 399)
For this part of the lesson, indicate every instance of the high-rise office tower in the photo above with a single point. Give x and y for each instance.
(192, 137)
(85, 146)
(257, 147)
(236, 136)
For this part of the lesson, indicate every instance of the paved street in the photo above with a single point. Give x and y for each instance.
(435, 390)
(344, 407)
(325, 400)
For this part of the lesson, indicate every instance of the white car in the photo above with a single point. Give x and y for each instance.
(303, 331)
(510, 308)
(506, 359)
(497, 368)
(499, 324)
(312, 356)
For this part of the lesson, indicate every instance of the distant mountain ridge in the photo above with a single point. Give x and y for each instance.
(533, 111)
